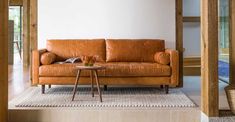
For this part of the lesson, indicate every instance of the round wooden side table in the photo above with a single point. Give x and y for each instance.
(93, 73)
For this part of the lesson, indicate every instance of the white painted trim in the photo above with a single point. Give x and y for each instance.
(204, 117)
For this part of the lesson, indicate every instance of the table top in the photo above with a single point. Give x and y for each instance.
(95, 67)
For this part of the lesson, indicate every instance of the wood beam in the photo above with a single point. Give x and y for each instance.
(197, 19)
(26, 32)
(3, 60)
(33, 24)
(191, 19)
(232, 41)
(179, 37)
(33, 30)
(15, 2)
(29, 31)
(209, 54)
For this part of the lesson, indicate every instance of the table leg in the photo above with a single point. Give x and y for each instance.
(98, 84)
(76, 84)
(92, 86)
(105, 88)
(43, 89)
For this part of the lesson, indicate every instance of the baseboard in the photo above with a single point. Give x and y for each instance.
(192, 66)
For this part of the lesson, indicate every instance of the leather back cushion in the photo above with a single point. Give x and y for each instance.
(133, 50)
(65, 49)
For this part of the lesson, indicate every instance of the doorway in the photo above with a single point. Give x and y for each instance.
(15, 34)
(224, 40)
(18, 74)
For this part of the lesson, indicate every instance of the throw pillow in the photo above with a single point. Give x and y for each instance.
(48, 58)
(162, 58)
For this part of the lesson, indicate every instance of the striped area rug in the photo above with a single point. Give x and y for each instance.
(60, 96)
(225, 116)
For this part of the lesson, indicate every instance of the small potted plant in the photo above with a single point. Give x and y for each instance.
(230, 93)
(88, 60)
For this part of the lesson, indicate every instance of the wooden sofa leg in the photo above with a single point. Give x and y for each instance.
(105, 88)
(167, 89)
(43, 89)
(49, 86)
(161, 86)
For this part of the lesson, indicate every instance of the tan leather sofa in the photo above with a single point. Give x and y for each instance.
(127, 62)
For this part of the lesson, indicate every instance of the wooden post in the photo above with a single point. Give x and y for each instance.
(29, 31)
(33, 24)
(179, 37)
(33, 17)
(209, 53)
(26, 33)
(232, 41)
(3, 60)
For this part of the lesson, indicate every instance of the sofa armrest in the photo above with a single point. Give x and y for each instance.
(174, 63)
(35, 65)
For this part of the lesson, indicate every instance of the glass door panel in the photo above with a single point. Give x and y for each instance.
(224, 40)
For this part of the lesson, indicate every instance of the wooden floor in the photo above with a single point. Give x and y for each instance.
(19, 81)
(18, 78)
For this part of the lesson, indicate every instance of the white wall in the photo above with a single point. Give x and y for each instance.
(191, 7)
(192, 39)
(191, 29)
(64, 19)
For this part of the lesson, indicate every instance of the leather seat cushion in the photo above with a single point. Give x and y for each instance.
(116, 69)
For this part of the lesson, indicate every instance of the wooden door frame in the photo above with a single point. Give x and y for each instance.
(209, 60)
(15, 2)
(179, 37)
(232, 42)
(29, 30)
(30, 26)
(209, 45)
(209, 52)
(26, 33)
(4, 60)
